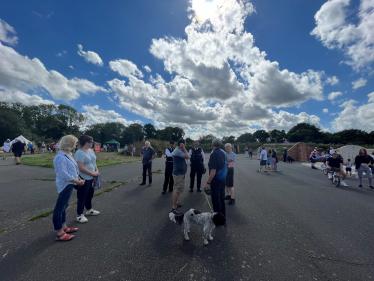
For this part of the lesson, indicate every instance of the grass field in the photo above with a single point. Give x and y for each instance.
(102, 159)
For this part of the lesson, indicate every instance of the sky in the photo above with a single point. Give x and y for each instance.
(221, 67)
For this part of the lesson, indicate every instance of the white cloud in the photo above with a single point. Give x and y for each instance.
(90, 56)
(147, 68)
(359, 83)
(338, 30)
(125, 68)
(100, 112)
(5, 31)
(221, 83)
(19, 73)
(17, 96)
(356, 117)
(325, 110)
(332, 80)
(334, 95)
(72, 67)
(39, 15)
(96, 115)
(59, 55)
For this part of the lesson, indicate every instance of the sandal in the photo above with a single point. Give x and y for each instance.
(64, 237)
(70, 229)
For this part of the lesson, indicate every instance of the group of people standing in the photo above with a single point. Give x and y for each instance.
(76, 172)
(268, 159)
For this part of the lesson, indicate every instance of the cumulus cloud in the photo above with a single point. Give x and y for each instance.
(17, 96)
(338, 30)
(90, 56)
(147, 68)
(332, 80)
(334, 95)
(19, 73)
(355, 117)
(96, 115)
(325, 110)
(358, 83)
(7, 33)
(220, 81)
(125, 68)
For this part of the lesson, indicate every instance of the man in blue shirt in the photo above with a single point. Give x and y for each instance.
(180, 155)
(216, 163)
(147, 154)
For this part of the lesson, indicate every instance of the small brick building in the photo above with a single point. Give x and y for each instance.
(300, 152)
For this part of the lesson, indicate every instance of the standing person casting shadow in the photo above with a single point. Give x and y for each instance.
(363, 161)
(147, 154)
(86, 160)
(67, 176)
(230, 174)
(197, 162)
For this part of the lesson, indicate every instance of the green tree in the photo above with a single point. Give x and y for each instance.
(304, 132)
(261, 136)
(245, 138)
(137, 130)
(149, 131)
(277, 136)
(207, 139)
(228, 139)
(11, 124)
(177, 133)
(353, 136)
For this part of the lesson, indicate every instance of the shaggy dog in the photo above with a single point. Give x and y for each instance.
(208, 220)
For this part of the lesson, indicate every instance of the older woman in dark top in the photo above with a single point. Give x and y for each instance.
(363, 161)
(273, 160)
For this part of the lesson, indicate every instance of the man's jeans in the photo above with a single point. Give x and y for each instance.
(59, 214)
(147, 167)
(218, 196)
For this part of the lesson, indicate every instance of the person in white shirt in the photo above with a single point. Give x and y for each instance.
(6, 148)
(169, 169)
(258, 153)
(332, 150)
(197, 162)
(263, 159)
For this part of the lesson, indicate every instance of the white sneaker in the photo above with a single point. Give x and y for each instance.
(92, 212)
(82, 219)
(329, 175)
(343, 183)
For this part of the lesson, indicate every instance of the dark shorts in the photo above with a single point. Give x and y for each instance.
(335, 169)
(348, 169)
(230, 177)
(17, 153)
(263, 162)
(313, 160)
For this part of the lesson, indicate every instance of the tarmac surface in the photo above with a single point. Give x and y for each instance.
(290, 225)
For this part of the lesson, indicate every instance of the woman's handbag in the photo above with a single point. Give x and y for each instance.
(96, 182)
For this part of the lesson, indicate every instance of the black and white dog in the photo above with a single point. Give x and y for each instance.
(208, 220)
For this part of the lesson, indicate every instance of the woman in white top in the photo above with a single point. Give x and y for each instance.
(6, 148)
(258, 153)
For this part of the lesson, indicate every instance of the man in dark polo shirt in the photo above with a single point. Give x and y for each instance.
(216, 163)
(17, 148)
(147, 154)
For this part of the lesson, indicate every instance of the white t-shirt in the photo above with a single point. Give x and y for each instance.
(7, 146)
(264, 155)
(332, 151)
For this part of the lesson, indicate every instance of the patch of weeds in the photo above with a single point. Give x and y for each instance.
(46, 214)
(43, 179)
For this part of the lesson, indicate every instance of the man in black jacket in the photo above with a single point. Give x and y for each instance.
(197, 163)
(169, 168)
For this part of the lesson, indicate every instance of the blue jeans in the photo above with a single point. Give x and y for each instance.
(368, 173)
(218, 196)
(84, 195)
(59, 214)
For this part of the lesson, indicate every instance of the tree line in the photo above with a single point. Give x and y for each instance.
(48, 122)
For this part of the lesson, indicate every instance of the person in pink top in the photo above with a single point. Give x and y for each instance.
(313, 157)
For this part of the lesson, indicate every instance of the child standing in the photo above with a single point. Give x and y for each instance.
(348, 167)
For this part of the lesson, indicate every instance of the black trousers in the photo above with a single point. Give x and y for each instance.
(147, 167)
(84, 195)
(169, 176)
(250, 154)
(196, 169)
(284, 158)
(218, 196)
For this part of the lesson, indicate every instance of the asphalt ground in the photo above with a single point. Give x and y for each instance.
(290, 225)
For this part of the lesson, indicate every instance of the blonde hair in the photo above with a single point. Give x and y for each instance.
(68, 142)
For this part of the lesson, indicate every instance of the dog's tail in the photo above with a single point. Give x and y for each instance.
(176, 218)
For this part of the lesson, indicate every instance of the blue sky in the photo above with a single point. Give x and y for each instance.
(209, 72)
